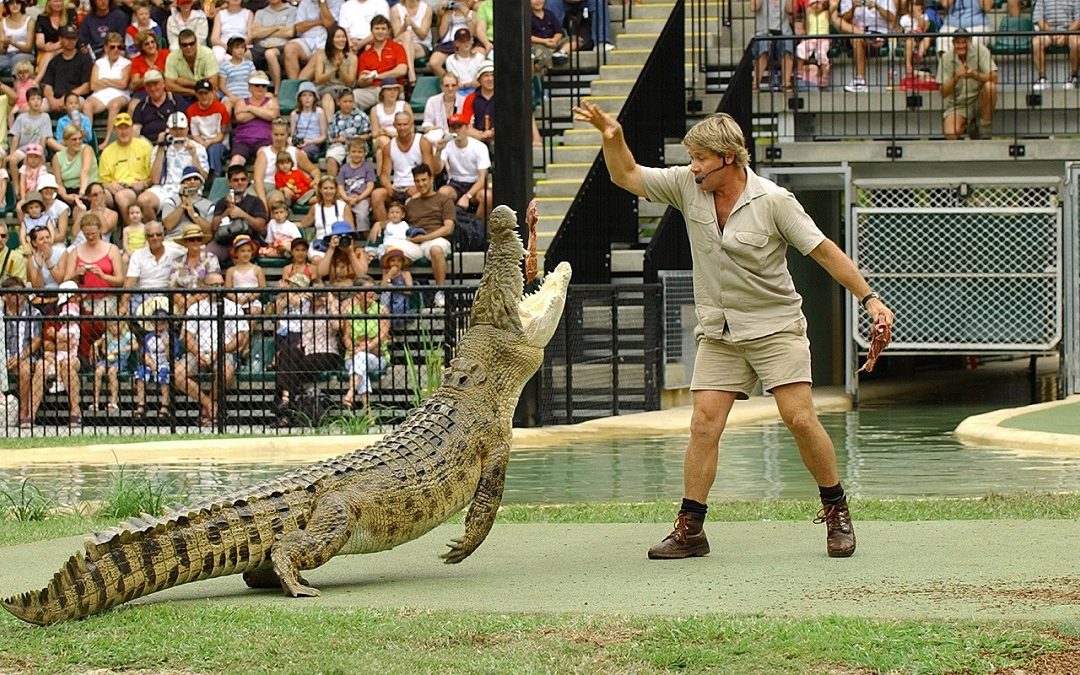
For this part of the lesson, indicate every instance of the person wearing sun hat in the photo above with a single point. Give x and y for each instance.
(151, 114)
(252, 120)
(170, 163)
(191, 206)
(124, 165)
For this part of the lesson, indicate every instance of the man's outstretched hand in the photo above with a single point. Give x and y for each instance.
(604, 123)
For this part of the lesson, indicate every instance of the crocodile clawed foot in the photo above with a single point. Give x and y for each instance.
(456, 554)
(300, 590)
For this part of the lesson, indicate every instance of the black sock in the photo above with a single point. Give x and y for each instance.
(695, 510)
(832, 495)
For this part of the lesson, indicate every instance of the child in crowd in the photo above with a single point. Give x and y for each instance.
(133, 236)
(157, 346)
(74, 116)
(16, 93)
(917, 22)
(112, 349)
(31, 170)
(298, 249)
(292, 181)
(56, 210)
(280, 231)
(34, 216)
(394, 231)
(356, 181)
(815, 48)
(245, 274)
(32, 127)
(140, 21)
(367, 339)
(308, 122)
(394, 273)
(382, 115)
(61, 352)
(231, 22)
(464, 62)
(347, 125)
(289, 334)
(235, 72)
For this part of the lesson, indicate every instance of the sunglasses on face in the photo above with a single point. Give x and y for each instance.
(112, 46)
(187, 44)
(154, 235)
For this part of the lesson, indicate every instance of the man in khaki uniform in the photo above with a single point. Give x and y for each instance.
(751, 324)
(968, 77)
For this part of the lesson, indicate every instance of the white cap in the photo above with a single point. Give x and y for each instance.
(46, 181)
(62, 298)
(177, 120)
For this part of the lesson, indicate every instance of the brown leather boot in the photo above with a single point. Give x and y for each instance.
(685, 541)
(840, 535)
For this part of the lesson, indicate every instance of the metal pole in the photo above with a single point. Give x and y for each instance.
(513, 110)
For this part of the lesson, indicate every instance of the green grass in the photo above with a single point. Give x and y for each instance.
(213, 639)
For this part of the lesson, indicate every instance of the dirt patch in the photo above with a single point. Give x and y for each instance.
(1065, 662)
(1039, 592)
(596, 638)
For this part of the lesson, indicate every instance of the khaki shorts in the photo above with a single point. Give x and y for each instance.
(777, 359)
(969, 110)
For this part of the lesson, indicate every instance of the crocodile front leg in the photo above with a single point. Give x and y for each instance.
(485, 504)
(323, 536)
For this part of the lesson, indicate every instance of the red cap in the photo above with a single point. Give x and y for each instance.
(456, 119)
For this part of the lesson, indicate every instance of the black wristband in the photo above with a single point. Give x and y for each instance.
(869, 296)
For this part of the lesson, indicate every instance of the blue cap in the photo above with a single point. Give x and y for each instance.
(340, 229)
(306, 86)
(190, 172)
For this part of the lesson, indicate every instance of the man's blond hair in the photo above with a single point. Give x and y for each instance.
(721, 134)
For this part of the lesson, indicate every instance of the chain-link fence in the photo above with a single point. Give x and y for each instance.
(967, 267)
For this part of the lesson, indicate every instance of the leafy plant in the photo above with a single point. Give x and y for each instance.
(27, 503)
(425, 379)
(352, 425)
(129, 494)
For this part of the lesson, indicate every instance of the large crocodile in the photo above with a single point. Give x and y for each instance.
(451, 451)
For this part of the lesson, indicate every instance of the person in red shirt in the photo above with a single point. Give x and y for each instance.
(208, 120)
(293, 182)
(150, 55)
(383, 59)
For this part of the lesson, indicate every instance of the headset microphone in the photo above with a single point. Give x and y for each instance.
(701, 179)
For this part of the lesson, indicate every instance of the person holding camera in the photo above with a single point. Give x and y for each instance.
(124, 166)
(467, 162)
(192, 207)
(345, 257)
(327, 211)
(173, 156)
(238, 212)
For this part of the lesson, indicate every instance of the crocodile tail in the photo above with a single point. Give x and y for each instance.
(146, 555)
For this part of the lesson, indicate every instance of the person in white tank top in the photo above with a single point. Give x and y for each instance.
(399, 156)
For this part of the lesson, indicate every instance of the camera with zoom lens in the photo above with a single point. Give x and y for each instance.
(189, 191)
(297, 141)
(345, 241)
(166, 140)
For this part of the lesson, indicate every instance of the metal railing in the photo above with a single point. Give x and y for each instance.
(601, 213)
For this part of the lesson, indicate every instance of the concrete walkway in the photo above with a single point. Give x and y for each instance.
(1008, 570)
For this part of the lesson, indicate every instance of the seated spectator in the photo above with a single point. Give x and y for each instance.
(155, 365)
(109, 81)
(327, 211)
(150, 55)
(599, 19)
(75, 166)
(94, 265)
(151, 114)
(33, 215)
(97, 203)
(334, 69)
(231, 21)
(451, 17)
(308, 122)
(113, 353)
(550, 46)
(237, 208)
(47, 32)
(313, 19)
(917, 23)
(280, 232)
(253, 119)
(382, 116)
(367, 340)
(968, 78)
(320, 339)
(133, 236)
(971, 15)
(209, 122)
(12, 260)
(288, 349)
(193, 266)
(771, 18)
(395, 234)
(1056, 16)
(149, 270)
(394, 263)
(866, 17)
(30, 172)
(69, 70)
(56, 210)
(410, 21)
(345, 257)
(142, 21)
(170, 167)
(124, 166)
(383, 59)
(479, 106)
(348, 124)
(439, 108)
(356, 183)
(192, 209)
(104, 18)
(46, 265)
(299, 264)
(201, 342)
(407, 150)
(16, 92)
(185, 16)
(355, 17)
(467, 162)
(814, 50)
(465, 62)
(292, 184)
(236, 70)
(271, 30)
(61, 352)
(73, 117)
(190, 63)
(433, 212)
(32, 127)
(23, 343)
(18, 35)
(246, 274)
(264, 175)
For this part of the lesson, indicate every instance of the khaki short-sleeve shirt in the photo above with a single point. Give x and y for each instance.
(741, 278)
